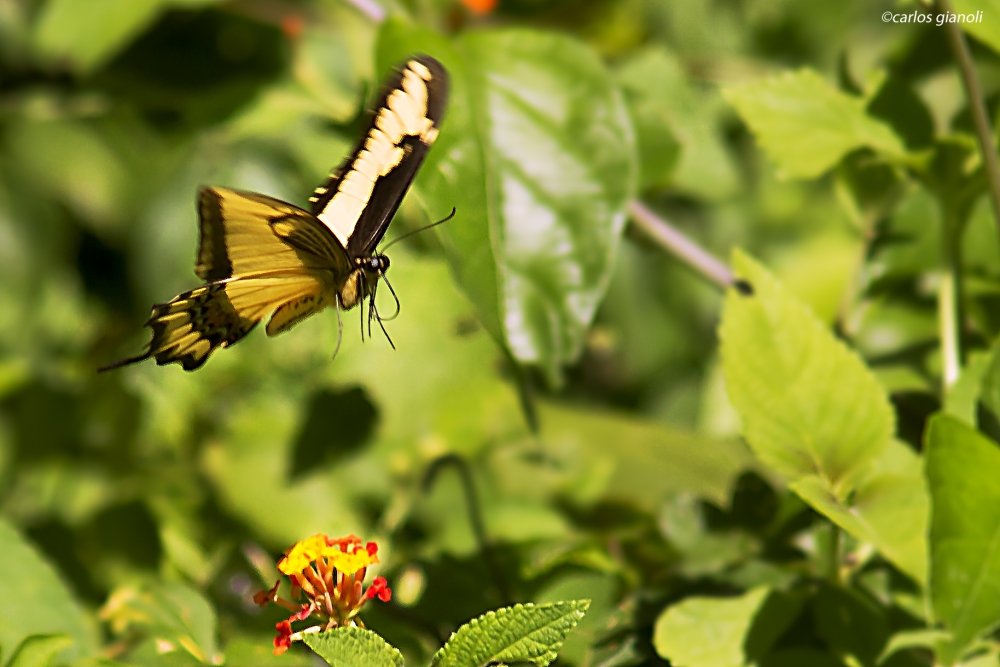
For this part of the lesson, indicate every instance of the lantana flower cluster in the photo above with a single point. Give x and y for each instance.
(327, 576)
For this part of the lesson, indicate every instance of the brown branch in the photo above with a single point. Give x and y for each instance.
(977, 107)
(680, 246)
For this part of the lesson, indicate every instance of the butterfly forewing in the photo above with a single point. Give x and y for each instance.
(260, 256)
(359, 199)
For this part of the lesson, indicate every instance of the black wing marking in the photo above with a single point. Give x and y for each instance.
(382, 166)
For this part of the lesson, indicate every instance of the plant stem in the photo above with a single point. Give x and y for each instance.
(475, 516)
(977, 107)
(679, 245)
(951, 354)
(832, 553)
(369, 8)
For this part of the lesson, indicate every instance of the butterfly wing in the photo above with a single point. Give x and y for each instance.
(259, 256)
(359, 199)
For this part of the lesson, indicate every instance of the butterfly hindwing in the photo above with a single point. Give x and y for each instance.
(239, 238)
(359, 199)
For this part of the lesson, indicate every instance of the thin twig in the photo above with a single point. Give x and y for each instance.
(977, 107)
(369, 8)
(679, 245)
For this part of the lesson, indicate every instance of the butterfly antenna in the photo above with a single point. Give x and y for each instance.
(340, 328)
(395, 298)
(422, 229)
(382, 326)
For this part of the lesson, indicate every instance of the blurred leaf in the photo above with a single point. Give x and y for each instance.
(814, 412)
(257, 651)
(850, 623)
(963, 395)
(90, 32)
(911, 243)
(677, 127)
(174, 614)
(522, 633)
(906, 639)
(965, 530)
(35, 601)
(797, 657)
(39, 650)
(888, 508)
(76, 165)
(603, 592)
(537, 155)
(808, 403)
(707, 632)
(988, 29)
(783, 109)
(639, 461)
(353, 647)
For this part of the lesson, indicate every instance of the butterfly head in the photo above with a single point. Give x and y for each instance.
(377, 264)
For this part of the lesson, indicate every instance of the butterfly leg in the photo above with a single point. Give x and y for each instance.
(393, 293)
(340, 327)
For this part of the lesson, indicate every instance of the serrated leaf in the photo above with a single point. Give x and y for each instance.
(784, 109)
(813, 411)
(353, 647)
(34, 600)
(962, 469)
(522, 633)
(808, 403)
(707, 632)
(39, 650)
(536, 153)
(889, 508)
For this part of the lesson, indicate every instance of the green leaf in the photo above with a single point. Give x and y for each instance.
(808, 403)
(889, 508)
(815, 413)
(353, 647)
(677, 127)
(907, 639)
(537, 154)
(987, 30)
(963, 395)
(39, 650)
(175, 614)
(850, 623)
(522, 633)
(990, 381)
(707, 632)
(90, 32)
(782, 110)
(962, 469)
(35, 601)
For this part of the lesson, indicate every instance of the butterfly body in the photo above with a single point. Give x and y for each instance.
(259, 255)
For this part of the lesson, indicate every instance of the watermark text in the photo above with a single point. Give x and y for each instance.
(917, 16)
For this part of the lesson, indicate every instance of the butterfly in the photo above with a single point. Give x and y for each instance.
(258, 255)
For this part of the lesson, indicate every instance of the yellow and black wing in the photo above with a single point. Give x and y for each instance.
(258, 255)
(359, 199)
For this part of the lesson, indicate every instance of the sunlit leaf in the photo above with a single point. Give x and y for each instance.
(35, 600)
(986, 26)
(809, 406)
(39, 650)
(707, 632)
(537, 155)
(962, 466)
(353, 647)
(89, 32)
(177, 616)
(522, 633)
(784, 109)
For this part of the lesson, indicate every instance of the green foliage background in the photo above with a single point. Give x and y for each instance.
(801, 476)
